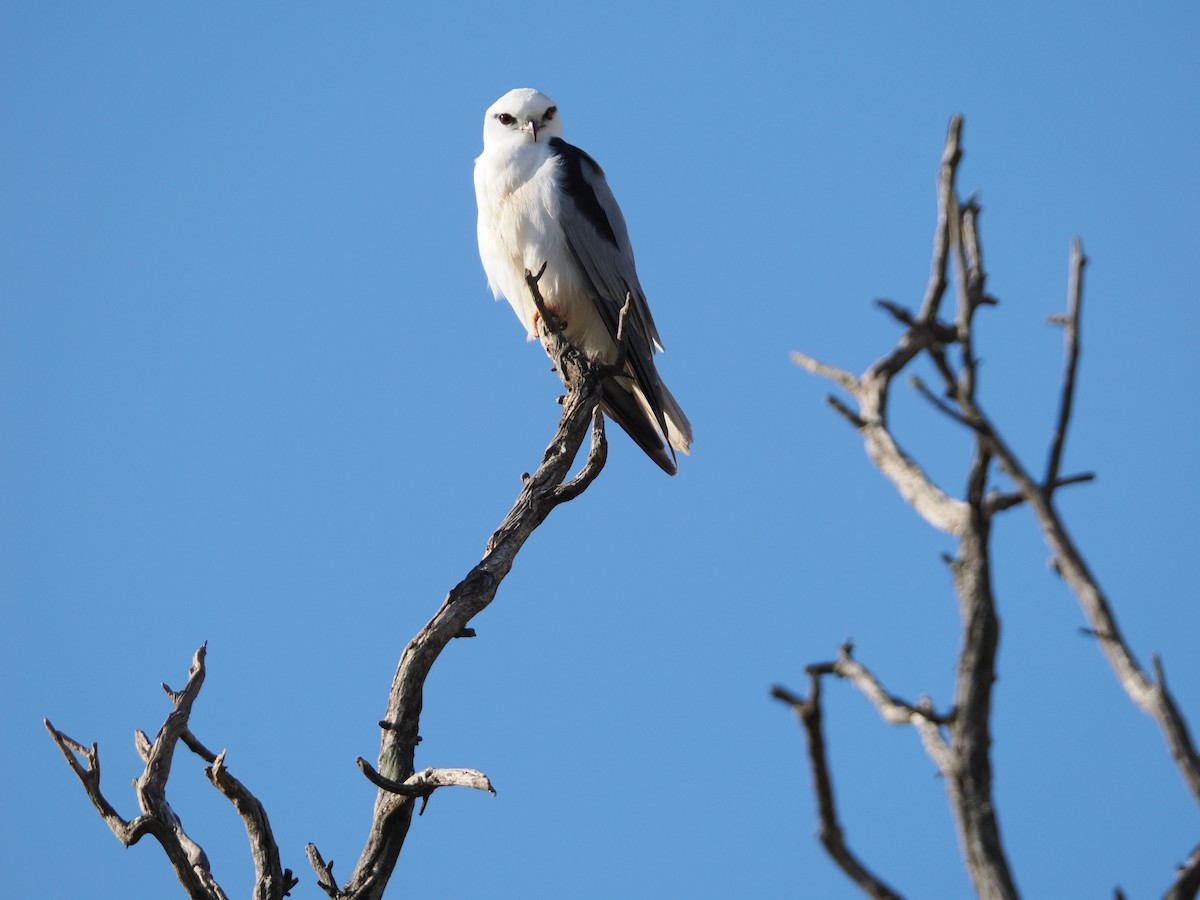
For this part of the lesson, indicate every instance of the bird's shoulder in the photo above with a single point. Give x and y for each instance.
(582, 180)
(574, 156)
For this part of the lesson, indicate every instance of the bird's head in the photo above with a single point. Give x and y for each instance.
(522, 116)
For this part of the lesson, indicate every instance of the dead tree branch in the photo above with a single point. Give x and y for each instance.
(542, 492)
(1187, 880)
(960, 743)
(400, 784)
(830, 830)
(158, 819)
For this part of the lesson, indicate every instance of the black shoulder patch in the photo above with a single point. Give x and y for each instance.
(573, 161)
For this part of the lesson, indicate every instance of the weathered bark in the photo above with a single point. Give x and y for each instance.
(400, 784)
(960, 743)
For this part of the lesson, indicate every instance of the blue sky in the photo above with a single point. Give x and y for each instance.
(256, 392)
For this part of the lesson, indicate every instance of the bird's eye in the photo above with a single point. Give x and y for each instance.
(505, 118)
(550, 114)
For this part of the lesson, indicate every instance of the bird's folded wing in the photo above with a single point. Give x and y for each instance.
(596, 235)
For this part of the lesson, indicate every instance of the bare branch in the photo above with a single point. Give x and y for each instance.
(1152, 698)
(937, 402)
(834, 374)
(271, 880)
(871, 389)
(1070, 323)
(323, 869)
(1187, 880)
(422, 784)
(128, 833)
(892, 709)
(187, 858)
(997, 502)
(597, 457)
(947, 213)
(830, 829)
(540, 494)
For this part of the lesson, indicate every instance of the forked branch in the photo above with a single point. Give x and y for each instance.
(158, 819)
(960, 744)
(395, 775)
(399, 784)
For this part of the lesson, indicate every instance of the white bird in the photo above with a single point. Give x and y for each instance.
(544, 202)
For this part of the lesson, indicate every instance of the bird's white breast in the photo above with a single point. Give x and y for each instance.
(518, 193)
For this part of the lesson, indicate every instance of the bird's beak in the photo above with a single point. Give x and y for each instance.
(531, 127)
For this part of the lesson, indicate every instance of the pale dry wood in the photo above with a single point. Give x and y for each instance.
(829, 830)
(870, 390)
(1149, 694)
(1187, 880)
(400, 785)
(960, 744)
(545, 489)
(158, 819)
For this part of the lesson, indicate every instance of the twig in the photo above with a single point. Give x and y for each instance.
(324, 870)
(1070, 324)
(830, 830)
(947, 212)
(892, 709)
(834, 374)
(422, 784)
(998, 502)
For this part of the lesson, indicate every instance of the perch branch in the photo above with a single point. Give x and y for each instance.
(540, 494)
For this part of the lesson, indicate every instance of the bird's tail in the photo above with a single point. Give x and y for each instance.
(679, 429)
(624, 402)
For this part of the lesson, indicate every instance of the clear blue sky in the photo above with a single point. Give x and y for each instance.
(256, 392)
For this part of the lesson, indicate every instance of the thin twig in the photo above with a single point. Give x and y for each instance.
(998, 502)
(1070, 325)
(324, 870)
(830, 829)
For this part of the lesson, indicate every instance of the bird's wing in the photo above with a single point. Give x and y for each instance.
(596, 232)
(596, 235)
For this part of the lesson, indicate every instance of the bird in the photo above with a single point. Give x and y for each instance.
(545, 203)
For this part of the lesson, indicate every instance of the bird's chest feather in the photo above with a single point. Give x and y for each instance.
(524, 204)
(519, 196)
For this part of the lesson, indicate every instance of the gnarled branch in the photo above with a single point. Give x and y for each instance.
(963, 753)
(400, 785)
(542, 492)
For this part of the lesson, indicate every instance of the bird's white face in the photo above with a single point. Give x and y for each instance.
(522, 116)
